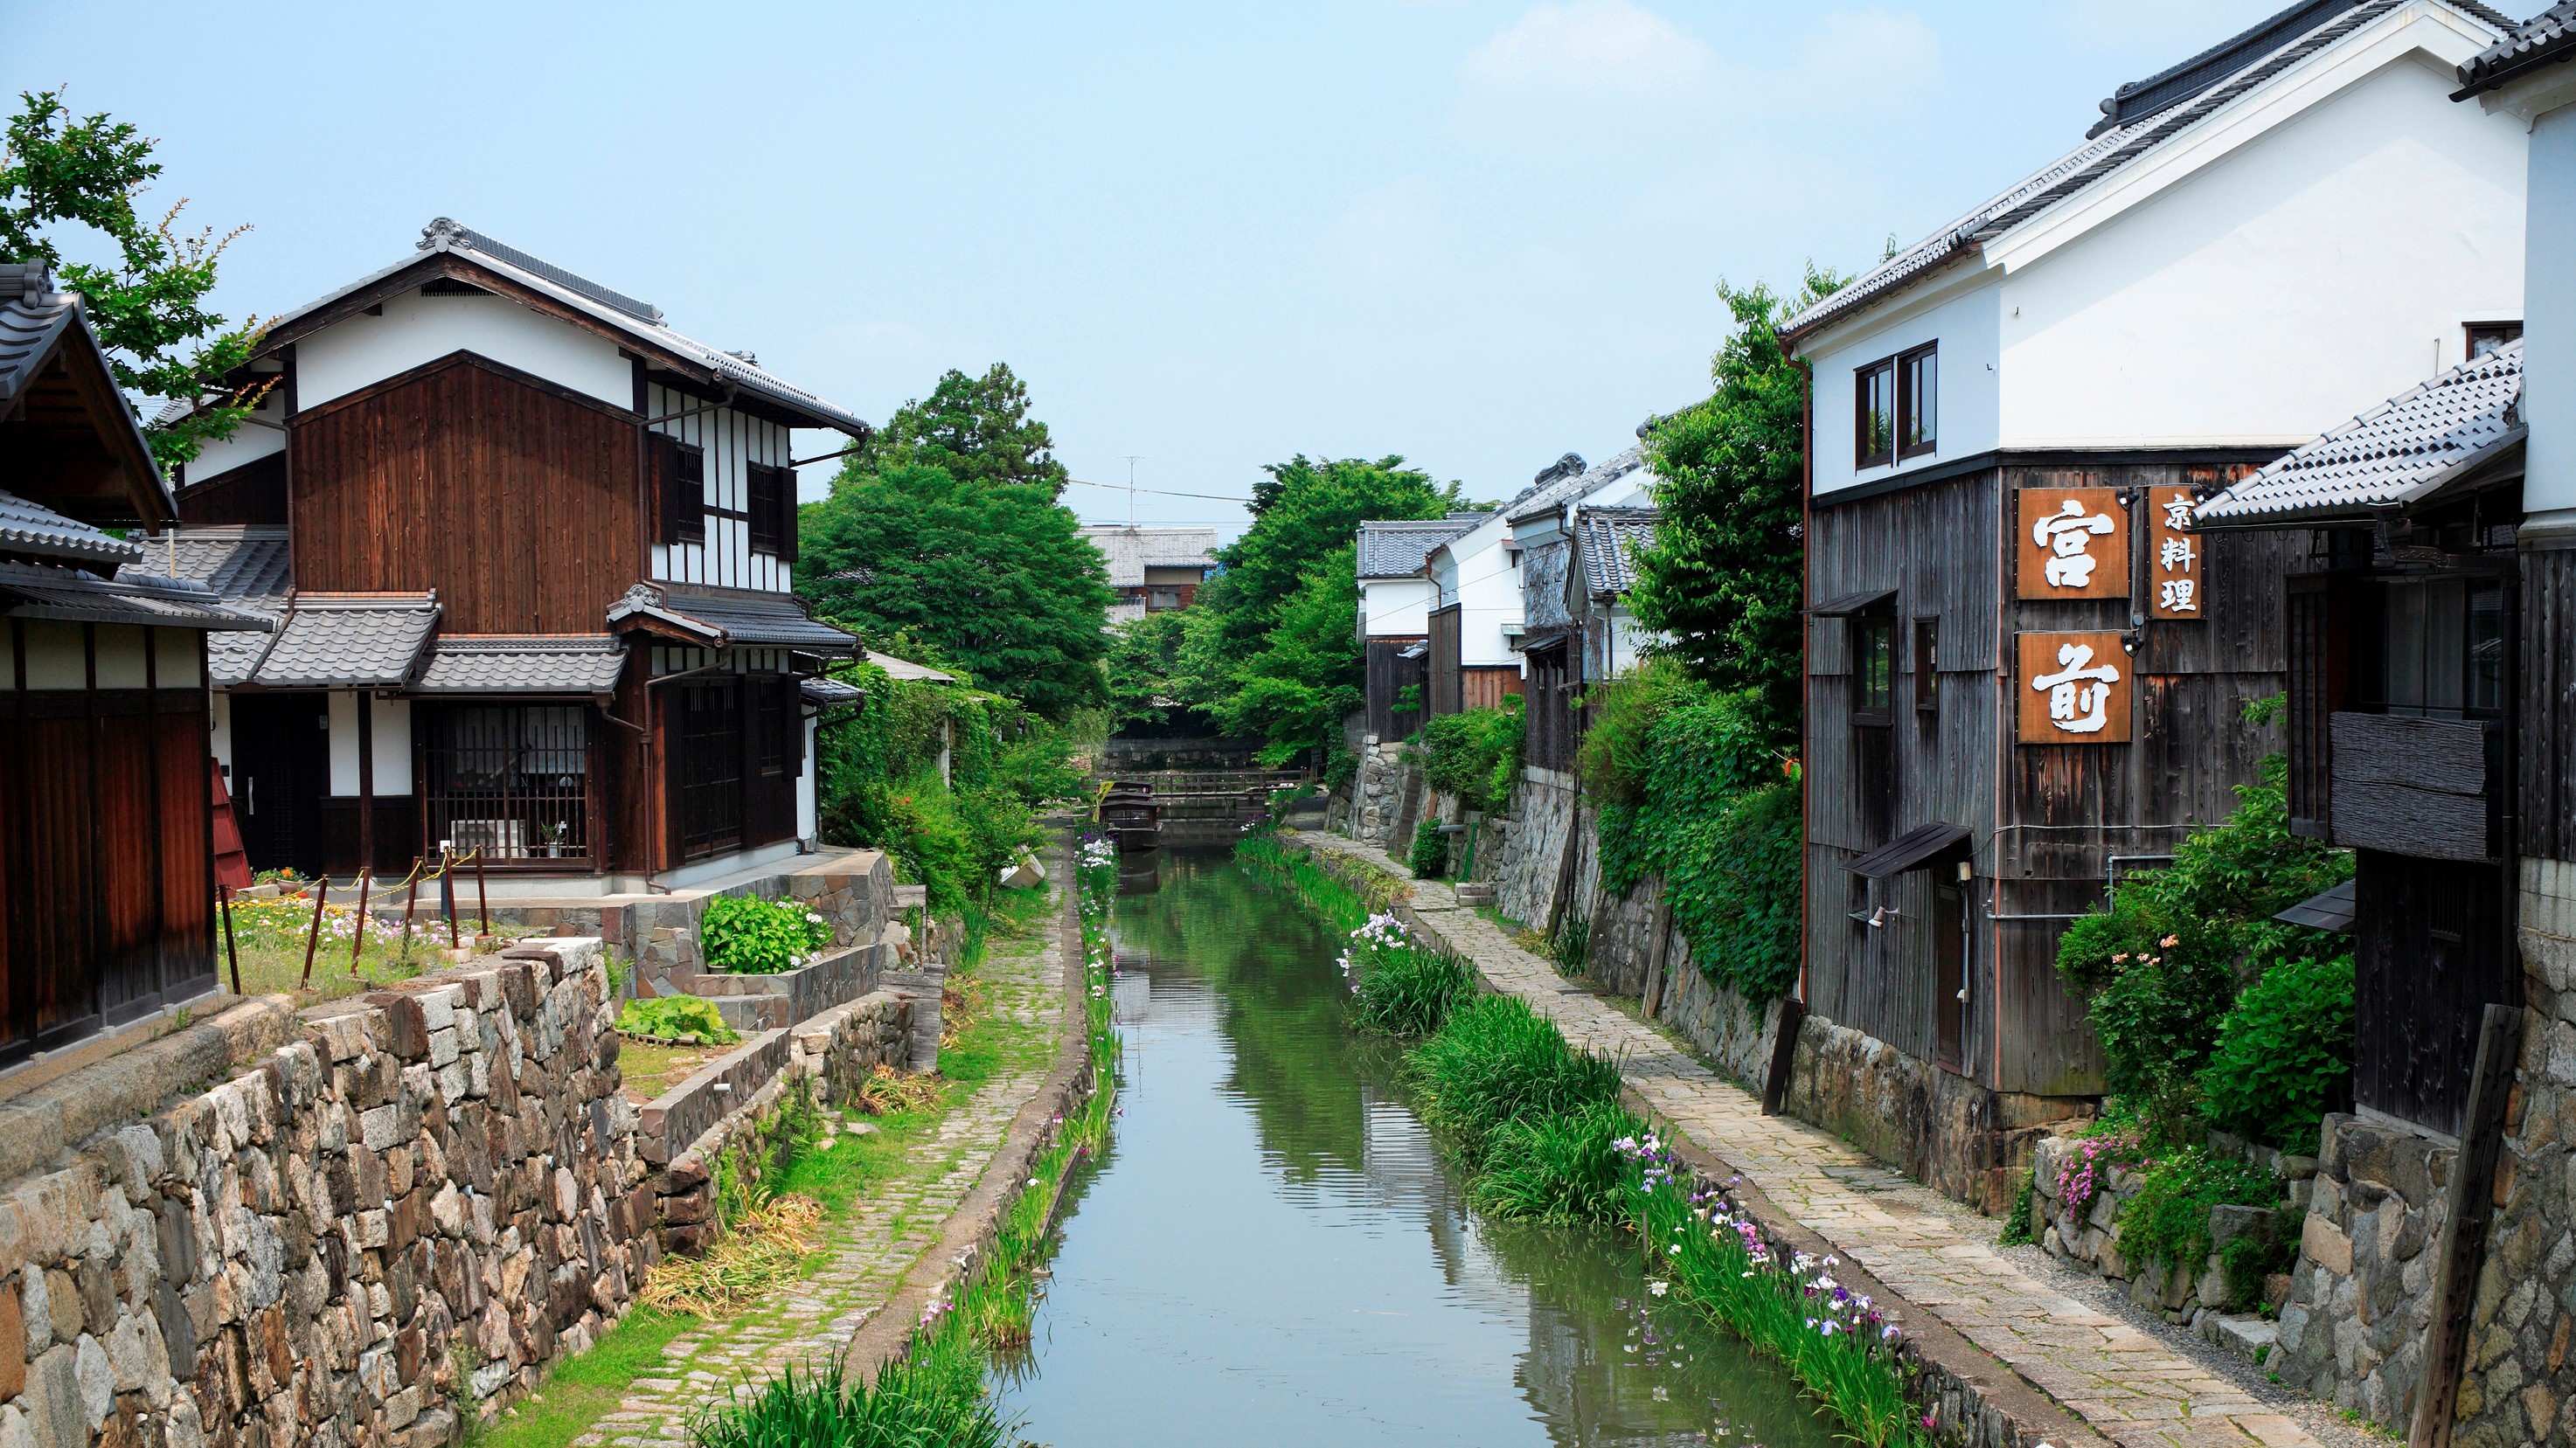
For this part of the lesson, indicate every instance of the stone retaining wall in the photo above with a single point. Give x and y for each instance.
(295, 1254)
(2352, 1328)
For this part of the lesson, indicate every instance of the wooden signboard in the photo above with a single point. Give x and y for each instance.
(2075, 689)
(2074, 543)
(2176, 577)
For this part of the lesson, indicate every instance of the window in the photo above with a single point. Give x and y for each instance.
(1927, 682)
(1895, 407)
(1874, 423)
(2485, 337)
(1165, 598)
(1873, 669)
(2440, 651)
(773, 510)
(1917, 378)
(681, 472)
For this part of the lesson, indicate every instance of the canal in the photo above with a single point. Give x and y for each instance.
(1274, 1251)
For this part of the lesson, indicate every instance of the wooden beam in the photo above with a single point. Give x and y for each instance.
(2471, 1204)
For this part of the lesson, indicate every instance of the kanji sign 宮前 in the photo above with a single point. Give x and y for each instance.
(2177, 575)
(2075, 689)
(2074, 543)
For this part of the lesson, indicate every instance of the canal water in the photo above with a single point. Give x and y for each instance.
(1273, 1251)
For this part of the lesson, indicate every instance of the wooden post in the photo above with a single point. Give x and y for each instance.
(1650, 1001)
(2464, 1230)
(358, 937)
(313, 937)
(447, 890)
(482, 898)
(232, 952)
(410, 902)
(366, 788)
(1784, 1055)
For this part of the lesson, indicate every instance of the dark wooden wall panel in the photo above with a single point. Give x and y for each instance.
(517, 501)
(1485, 686)
(1389, 674)
(255, 492)
(2546, 788)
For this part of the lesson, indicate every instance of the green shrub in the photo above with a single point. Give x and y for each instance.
(1496, 1060)
(1429, 857)
(747, 936)
(933, 1398)
(1618, 734)
(670, 1017)
(1558, 1168)
(2168, 1220)
(1399, 986)
(2284, 1053)
(1572, 947)
(1475, 754)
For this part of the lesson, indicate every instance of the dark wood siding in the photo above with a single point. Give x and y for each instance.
(2432, 952)
(1444, 692)
(2318, 614)
(2046, 819)
(255, 492)
(1389, 675)
(2546, 752)
(106, 875)
(1554, 682)
(1486, 686)
(516, 500)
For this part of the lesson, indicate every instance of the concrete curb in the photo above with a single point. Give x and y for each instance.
(959, 1253)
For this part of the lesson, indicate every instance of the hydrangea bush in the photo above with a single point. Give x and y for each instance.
(747, 936)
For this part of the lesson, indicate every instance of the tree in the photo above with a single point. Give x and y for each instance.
(1144, 657)
(1310, 669)
(148, 305)
(1724, 575)
(992, 574)
(978, 428)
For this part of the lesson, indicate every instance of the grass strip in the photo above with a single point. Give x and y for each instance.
(936, 1392)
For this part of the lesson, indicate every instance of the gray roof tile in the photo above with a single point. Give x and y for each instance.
(2389, 456)
(242, 563)
(829, 691)
(2546, 38)
(1564, 490)
(521, 664)
(1609, 539)
(30, 590)
(35, 531)
(2102, 154)
(1398, 547)
(349, 641)
(732, 618)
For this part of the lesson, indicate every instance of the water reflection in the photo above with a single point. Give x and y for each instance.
(1272, 1251)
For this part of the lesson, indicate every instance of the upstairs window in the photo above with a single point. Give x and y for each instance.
(681, 476)
(2440, 650)
(773, 510)
(2485, 337)
(1927, 682)
(1873, 646)
(1895, 407)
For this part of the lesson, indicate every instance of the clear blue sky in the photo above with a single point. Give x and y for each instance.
(1477, 234)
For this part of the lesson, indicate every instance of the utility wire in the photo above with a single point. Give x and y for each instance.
(1158, 492)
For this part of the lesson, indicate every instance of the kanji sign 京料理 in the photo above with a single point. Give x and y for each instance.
(2177, 573)
(2075, 689)
(2074, 543)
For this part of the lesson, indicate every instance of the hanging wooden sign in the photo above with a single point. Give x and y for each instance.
(2074, 543)
(2075, 689)
(2177, 575)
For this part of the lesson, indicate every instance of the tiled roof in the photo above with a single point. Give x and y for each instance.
(2104, 153)
(1609, 539)
(35, 323)
(231, 658)
(31, 590)
(616, 310)
(33, 531)
(242, 563)
(1130, 550)
(2389, 456)
(1398, 547)
(521, 664)
(2547, 38)
(349, 641)
(731, 618)
(1541, 501)
(829, 691)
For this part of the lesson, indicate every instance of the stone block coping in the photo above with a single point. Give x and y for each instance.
(674, 1121)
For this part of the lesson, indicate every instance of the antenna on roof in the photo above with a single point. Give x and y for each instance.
(1132, 460)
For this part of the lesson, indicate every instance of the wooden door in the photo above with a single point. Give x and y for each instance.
(281, 770)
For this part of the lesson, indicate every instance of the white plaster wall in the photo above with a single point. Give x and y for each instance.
(415, 329)
(2316, 269)
(1483, 577)
(732, 442)
(220, 716)
(117, 653)
(1960, 317)
(253, 440)
(392, 725)
(180, 661)
(1396, 607)
(2549, 338)
(808, 823)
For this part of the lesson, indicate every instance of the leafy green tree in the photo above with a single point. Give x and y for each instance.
(1723, 576)
(1144, 657)
(147, 306)
(1309, 669)
(978, 428)
(993, 574)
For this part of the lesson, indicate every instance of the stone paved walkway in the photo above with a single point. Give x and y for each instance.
(874, 1245)
(1938, 1254)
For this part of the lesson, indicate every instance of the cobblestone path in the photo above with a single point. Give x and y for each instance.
(875, 1244)
(1938, 1254)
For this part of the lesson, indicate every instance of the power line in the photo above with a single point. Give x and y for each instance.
(1158, 492)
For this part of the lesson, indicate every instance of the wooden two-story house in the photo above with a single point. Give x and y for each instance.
(529, 551)
(107, 854)
(2025, 673)
(1396, 597)
(1577, 538)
